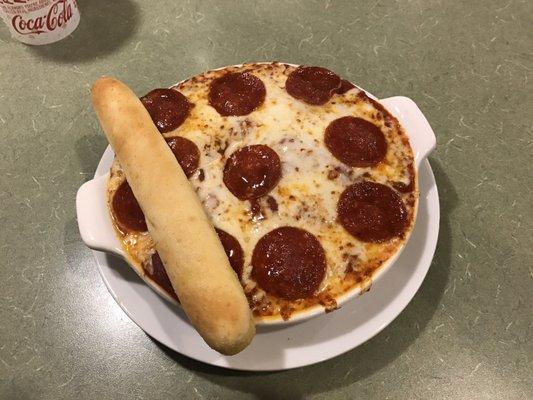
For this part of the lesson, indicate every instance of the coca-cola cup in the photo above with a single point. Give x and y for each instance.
(40, 21)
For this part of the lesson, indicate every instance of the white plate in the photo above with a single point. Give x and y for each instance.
(315, 340)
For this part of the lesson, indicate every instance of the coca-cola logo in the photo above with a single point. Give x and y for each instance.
(57, 16)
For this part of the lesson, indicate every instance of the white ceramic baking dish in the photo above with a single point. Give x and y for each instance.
(97, 231)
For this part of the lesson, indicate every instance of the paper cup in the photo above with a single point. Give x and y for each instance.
(39, 22)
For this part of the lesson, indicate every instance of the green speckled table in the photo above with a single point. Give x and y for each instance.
(468, 333)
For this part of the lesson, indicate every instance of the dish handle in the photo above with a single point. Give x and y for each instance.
(421, 136)
(95, 226)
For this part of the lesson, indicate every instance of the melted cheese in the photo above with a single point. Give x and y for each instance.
(306, 197)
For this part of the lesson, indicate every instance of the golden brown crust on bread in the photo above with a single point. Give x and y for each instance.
(194, 258)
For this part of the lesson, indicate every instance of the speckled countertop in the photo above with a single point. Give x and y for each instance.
(468, 333)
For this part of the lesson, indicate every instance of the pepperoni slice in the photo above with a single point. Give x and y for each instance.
(236, 94)
(289, 263)
(252, 171)
(345, 86)
(355, 142)
(156, 271)
(186, 153)
(372, 212)
(127, 211)
(313, 85)
(233, 250)
(167, 107)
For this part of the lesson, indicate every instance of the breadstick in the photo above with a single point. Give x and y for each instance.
(188, 245)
